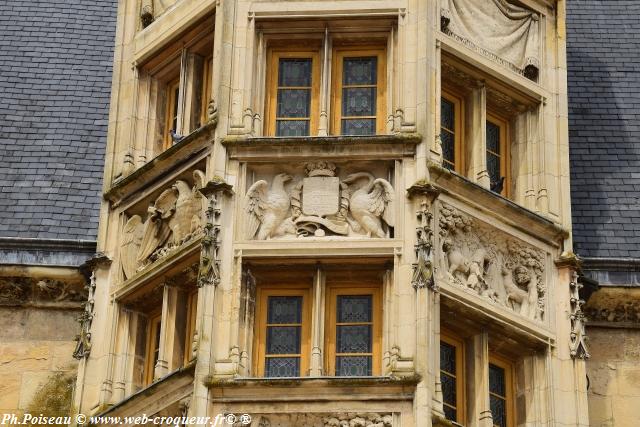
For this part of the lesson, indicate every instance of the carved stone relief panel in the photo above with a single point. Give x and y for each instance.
(345, 419)
(22, 290)
(490, 263)
(320, 199)
(172, 220)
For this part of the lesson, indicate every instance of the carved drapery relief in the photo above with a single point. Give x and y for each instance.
(22, 290)
(173, 219)
(505, 32)
(352, 419)
(319, 204)
(209, 271)
(486, 262)
(577, 337)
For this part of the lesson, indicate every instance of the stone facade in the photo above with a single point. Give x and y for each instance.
(208, 216)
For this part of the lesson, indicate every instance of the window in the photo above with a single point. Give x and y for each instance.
(353, 331)
(292, 107)
(451, 131)
(173, 98)
(283, 332)
(192, 306)
(501, 392)
(452, 378)
(359, 92)
(497, 154)
(152, 347)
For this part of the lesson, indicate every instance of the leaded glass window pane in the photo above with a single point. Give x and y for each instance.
(354, 339)
(359, 101)
(358, 127)
(360, 71)
(448, 358)
(447, 114)
(283, 340)
(448, 389)
(450, 413)
(493, 153)
(496, 380)
(354, 308)
(285, 310)
(498, 411)
(447, 133)
(493, 138)
(293, 97)
(493, 167)
(448, 149)
(351, 366)
(282, 367)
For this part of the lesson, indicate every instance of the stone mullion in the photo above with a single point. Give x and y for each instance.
(317, 324)
(477, 381)
(476, 131)
(166, 354)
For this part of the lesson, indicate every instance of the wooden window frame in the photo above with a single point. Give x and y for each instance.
(260, 333)
(339, 53)
(458, 129)
(333, 291)
(154, 325)
(271, 106)
(172, 108)
(192, 307)
(461, 402)
(505, 156)
(509, 383)
(207, 77)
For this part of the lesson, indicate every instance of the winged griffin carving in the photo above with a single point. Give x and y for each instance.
(172, 219)
(320, 203)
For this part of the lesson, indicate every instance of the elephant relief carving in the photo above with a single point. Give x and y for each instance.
(320, 204)
(488, 263)
(172, 219)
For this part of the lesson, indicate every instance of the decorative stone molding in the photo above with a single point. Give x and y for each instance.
(578, 336)
(173, 220)
(491, 264)
(423, 269)
(83, 344)
(320, 204)
(345, 419)
(209, 271)
(23, 290)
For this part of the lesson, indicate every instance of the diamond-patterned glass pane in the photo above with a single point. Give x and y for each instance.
(360, 71)
(450, 413)
(447, 358)
(294, 102)
(496, 380)
(493, 167)
(448, 146)
(448, 389)
(353, 366)
(284, 309)
(292, 127)
(282, 367)
(358, 126)
(294, 72)
(283, 340)
(498, 411)
(359, 101)
(354, 308)
(447, 114)
(493, 138)
(354, 339)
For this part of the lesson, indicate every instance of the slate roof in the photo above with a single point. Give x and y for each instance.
(603, 50)
(55, 81)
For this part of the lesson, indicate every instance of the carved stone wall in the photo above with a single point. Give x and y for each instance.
(320, 202)
(491, 264)
(351, 419)
(22, 290)
(173, 219)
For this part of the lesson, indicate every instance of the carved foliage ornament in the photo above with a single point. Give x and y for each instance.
(350, 419)
(321, 203)
(481, 260)
(83, 344)
(498, 29)
(173, 219)
(423, 267)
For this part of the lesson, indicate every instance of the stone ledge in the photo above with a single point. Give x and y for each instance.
(173, 158)
(347, 147)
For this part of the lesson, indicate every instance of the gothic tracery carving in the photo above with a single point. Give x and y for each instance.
(490, 264)
(320, 203)
(577, 337)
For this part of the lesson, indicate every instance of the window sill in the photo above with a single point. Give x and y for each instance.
(380, 146)
(370, 381)
(175, 156)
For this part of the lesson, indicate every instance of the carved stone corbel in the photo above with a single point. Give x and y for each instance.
(423, 268)
(209, 271)
(578, 336)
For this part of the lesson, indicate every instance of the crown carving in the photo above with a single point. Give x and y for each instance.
(320, 168)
